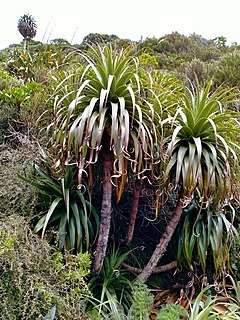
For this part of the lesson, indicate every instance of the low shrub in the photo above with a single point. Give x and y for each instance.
(142, 301)
(15, 195)
(35, 280)
(172, 312)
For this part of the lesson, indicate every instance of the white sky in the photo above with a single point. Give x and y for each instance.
(74, 19)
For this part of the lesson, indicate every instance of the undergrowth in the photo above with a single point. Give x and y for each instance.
(15, 195)
(35, 278)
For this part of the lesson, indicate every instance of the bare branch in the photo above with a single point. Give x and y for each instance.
(160, 269)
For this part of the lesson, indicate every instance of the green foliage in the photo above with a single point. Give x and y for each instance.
(178, 43)
(53, 57)
(148, 61)
(112, 288)
(202, 161)
(35, 279)
(227, 69)
(172, 312)
(7, 81)
(170, 62)
(64, 84)
(173, 49)
(36, 65)
(16, 96)
(20, 107)
(108, 109)
(21, 65)
(202, 153)
(202, 308)
(60, 42)
(205, 234)
(15, 196)
(235, 284)
(199, 69)
(235, 255)
(162, 91)
(142, 301)
(113, 102)
(97, 38)
(220, 41)
(69, 209)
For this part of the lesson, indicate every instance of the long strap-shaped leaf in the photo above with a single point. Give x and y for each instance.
(50, 212)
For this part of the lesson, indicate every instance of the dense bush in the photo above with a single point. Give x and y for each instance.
(34, 277)
(172, 312)
(7, 81)
(235, 255)
(15, 195)
(142, 301)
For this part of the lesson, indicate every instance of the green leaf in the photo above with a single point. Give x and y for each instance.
(53, 206)
(79, 233)
(72, 233)
(40, 224)
(47, 179)
(181, 154)
(62, 230)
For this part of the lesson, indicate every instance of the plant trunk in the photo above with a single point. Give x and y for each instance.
(134, 211)
(163, 243)
(106, 211)
(24, 45)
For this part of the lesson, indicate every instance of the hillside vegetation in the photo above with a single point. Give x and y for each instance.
(119, 178)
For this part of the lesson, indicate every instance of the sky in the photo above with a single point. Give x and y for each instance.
(132, 19)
